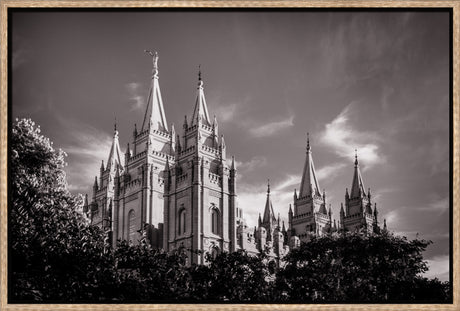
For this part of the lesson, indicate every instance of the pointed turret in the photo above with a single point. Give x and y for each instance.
(269, 215)
(376, 213)
(233, 167)
(384, 224)
(200, 112)
(115, 153)
(357, 186)
(95, 186)
(172, 143)
(185, 125)
(85, 206)
(309, 185)
(157, 119)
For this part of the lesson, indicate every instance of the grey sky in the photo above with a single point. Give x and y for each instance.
(374, 81)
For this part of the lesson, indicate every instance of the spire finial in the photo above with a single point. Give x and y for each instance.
(356, 157)
(154, 55)
(268, 186)
(308, 141)
(200, 81)
(115, 124)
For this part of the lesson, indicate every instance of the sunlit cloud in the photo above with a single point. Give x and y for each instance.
(269, 129)
(329, 171)
(86, 148)
(226, 113)
(289, 182)
(340, 135)
(253, 163)
(136, 99)
(438, 267)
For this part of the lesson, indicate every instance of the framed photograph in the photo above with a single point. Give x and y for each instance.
(188, 155)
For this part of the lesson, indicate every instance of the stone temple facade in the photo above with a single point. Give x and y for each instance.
(174, 190)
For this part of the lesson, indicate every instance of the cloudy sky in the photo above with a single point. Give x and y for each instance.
(374, 81)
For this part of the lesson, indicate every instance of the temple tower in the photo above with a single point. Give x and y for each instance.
(310, 215)
(358, 213)
(200, 212)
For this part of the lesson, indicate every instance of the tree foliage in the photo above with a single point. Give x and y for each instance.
(57, 256)
(356, 267)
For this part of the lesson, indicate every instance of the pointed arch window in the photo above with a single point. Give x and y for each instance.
(132, 226)
(182, 221)
(215, 223)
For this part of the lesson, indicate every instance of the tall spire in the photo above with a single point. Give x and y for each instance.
(269, 214)
(201, 109)
(115, 152)
(357, 186)
(157, 115)
(309, 185)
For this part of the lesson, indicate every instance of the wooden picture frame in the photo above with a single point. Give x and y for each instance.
(5, 5)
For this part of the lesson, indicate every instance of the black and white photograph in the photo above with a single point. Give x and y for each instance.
(230, 155)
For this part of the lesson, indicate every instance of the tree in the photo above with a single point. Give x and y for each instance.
(55, 254)
(235, 277)
(354, 267)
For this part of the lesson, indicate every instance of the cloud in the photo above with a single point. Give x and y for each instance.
(226, 113)
(329, 171)
(86, 148)
(270, 128)
(344, 139)
(137, 101)
(291, 180)
(438, 206)
(248, 166)
(438, 267)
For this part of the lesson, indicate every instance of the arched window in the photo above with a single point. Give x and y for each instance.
(214, 252)
(215, 221)
(182, 221)
(132, 233)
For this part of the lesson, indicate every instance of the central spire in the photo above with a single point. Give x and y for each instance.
(157, 119)
(309, 185)
(201, 109)
(269, 214)
(357, 186)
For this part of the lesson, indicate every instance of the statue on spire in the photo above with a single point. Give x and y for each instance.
(154, 55)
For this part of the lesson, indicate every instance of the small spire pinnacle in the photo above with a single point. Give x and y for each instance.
(384, 224)
(356, 158)
(308, 142)
(185, 122)
(115, 125)
(200, 81)
(233, 163)
(268, 186)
